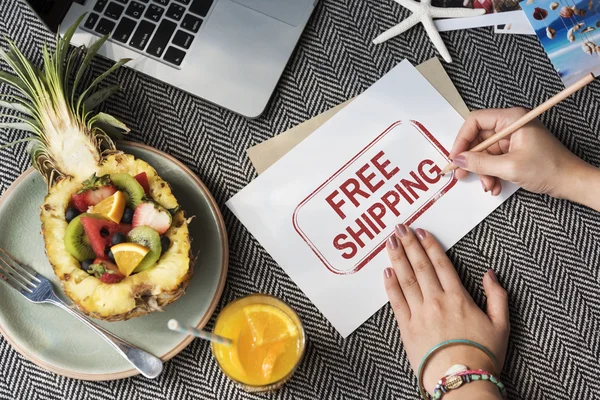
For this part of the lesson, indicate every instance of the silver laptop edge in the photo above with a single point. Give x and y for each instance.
(236, 58)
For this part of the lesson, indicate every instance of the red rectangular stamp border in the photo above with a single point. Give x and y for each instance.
(365, 260)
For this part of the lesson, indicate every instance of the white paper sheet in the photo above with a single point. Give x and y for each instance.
(302, 209)
(519, 25)
(454, 24)
(515, 28)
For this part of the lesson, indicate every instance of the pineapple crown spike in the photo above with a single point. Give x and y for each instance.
(54, 115)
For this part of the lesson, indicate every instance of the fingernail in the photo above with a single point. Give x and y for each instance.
(484, 188)
(393, 242)
(492, 275)
(400, 230)
(388, 272)
(421, 233)
(460, 161)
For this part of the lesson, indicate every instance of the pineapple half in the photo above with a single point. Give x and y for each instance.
(68, 143)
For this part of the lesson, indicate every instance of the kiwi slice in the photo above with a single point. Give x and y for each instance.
(149, 238)
(127, 183)
(76, 242)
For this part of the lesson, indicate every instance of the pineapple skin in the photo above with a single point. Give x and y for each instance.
(138, 294)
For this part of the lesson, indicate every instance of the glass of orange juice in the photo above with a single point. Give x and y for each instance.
(268, 342)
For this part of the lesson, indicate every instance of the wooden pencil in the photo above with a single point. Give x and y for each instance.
(545, 106)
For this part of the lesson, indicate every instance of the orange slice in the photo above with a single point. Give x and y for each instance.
(269, 324)
(273, 354)
(112, 207)
(128, 256)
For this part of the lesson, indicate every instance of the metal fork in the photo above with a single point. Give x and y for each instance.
(37, 289)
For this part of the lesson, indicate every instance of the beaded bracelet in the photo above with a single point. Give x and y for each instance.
(455, 381)
(439, 346)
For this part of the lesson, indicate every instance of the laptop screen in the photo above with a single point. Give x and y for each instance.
(52, 12)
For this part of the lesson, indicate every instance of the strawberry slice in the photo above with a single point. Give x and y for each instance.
(100, 233)
(95, 189)
(142, 179)
(95, 196)
(78, 201)
(106, 271)
(152, 215)
(111, 278)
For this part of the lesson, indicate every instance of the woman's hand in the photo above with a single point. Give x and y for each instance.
(432, 306)
(531, 157)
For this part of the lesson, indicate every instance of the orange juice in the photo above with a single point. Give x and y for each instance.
(268, 342)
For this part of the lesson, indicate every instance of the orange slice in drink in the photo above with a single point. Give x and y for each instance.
(112, 207)
(273, 353)
(128, 256)
(269, 324)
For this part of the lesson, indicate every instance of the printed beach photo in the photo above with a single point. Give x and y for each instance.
(569, 31)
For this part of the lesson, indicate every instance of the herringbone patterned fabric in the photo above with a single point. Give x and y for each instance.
(544, 250)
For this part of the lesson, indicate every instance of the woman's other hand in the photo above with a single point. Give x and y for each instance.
(432, 306)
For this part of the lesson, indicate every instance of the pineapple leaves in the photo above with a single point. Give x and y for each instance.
(99, 79)
(7, 145)
(24, 70)
(64, 137)
(109, 125)
(15, 82)
(97, 98)
(75, 53)
(90, 53)
(42, 161)
(52, 78)
(62, 46)
(16, 106)
(25, 124)
(22, 126)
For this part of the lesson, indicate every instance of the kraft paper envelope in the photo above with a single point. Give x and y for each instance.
(264, 154)
(325, 210)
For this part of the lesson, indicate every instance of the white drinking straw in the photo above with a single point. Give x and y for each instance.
(176, 326)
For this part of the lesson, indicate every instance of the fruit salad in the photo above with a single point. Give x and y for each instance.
(115, 227)
(120, 242)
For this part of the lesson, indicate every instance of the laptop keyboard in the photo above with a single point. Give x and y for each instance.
(162, 29)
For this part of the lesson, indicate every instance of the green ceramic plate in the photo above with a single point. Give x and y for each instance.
(56, 341)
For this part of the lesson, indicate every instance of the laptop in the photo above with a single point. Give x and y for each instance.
(228, 52)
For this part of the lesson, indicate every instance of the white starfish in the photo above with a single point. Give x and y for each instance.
(424, 13)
